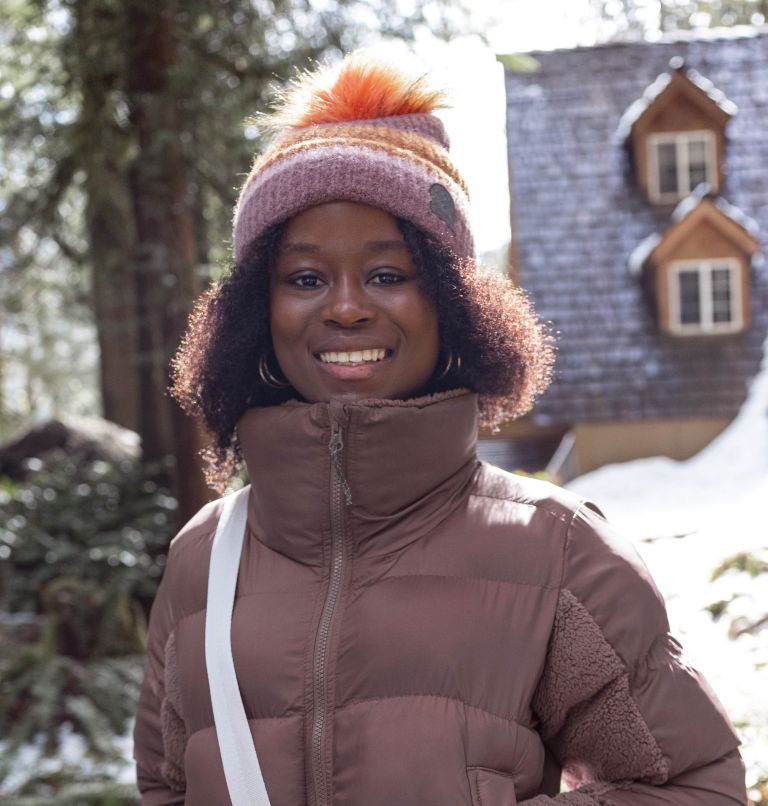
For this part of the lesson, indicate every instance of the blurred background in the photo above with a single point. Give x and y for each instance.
(615, 153)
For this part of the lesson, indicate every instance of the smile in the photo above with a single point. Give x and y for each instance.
(354, 365)
(354, 357)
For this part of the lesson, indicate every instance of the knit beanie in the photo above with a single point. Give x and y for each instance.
(364, 132)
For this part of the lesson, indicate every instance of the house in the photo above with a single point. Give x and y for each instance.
(639, 194)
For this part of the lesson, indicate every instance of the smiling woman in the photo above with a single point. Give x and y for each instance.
(379, 618)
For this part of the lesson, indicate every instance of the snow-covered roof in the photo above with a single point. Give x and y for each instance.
(715, 94)
(687, 205)
(738, 216)
(642, 252)
(637, 108)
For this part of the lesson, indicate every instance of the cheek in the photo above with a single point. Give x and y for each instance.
(284, 321)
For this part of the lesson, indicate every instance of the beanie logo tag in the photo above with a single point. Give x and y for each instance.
(442, 204)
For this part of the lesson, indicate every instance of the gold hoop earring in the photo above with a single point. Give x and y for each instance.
(267, 376)
(448, 366)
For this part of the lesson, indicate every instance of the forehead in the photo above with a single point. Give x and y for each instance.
(342, 224)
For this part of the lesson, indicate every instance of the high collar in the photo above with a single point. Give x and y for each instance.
(408, 463)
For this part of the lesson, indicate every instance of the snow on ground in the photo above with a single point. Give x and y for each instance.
(72, 755)
(685, 518)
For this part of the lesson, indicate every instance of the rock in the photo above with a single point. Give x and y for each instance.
(88, 438)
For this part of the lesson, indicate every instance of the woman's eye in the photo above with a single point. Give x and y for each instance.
(388, 278)
(305, 281)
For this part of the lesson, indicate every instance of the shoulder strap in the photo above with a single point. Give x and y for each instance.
(241, 766)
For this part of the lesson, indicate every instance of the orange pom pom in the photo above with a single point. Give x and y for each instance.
(362, 88)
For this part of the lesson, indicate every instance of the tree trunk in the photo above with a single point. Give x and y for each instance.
(102, 144)
(165, 254)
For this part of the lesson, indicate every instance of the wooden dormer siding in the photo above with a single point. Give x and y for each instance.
(679, 105)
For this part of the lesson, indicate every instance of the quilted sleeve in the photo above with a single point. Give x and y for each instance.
(159, 735)
(629, 722)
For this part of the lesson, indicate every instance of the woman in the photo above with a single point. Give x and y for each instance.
(411, 627)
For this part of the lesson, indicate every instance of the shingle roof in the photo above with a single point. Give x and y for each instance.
(579, 215)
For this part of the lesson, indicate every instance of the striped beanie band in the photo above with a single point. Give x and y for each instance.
(365, 133)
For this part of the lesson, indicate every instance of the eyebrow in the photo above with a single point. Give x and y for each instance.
(383, 246)
(369, 246)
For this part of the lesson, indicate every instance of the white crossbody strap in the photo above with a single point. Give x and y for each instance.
(241, 766)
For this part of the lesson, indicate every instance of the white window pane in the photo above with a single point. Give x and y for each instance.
(697, 150)
(666, 157)
(721, 295)
(697, 162)
(690, 303)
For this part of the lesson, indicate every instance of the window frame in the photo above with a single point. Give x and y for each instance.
(706, 324)
(681, 141)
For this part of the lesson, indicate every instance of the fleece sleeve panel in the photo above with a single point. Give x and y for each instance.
(159, 735)
(628, 720)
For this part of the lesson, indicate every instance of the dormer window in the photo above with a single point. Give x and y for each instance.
(705, 296)
(676, 134)
(679, 162)
(698, 271)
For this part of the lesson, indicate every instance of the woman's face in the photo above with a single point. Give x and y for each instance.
(348, 315)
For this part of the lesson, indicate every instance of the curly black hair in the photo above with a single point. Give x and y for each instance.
(506, 352)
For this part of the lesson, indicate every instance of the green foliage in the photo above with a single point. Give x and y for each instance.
(719, 608)
(623, 19)
(103, 793)
(745, 562)
(47, 356)
(41, 691)
(82, 548)
(754, 564)
(518, 62)
(83, 537)
(758, 794)
(538, 474)
(689, 14)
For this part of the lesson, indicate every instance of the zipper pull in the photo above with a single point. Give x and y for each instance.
(336, 447)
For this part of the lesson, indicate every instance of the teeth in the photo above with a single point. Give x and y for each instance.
(354, 357)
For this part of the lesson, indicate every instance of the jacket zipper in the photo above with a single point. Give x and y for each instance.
(339, 496)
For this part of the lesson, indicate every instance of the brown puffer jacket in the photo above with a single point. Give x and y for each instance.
(415, 628)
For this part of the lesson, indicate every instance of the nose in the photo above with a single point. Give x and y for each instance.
(347, 304)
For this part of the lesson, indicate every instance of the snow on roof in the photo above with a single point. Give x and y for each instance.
(642, 252)
(636, 109)
(717, 95)
(738, 216)
(701, 192)
(685, 207)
